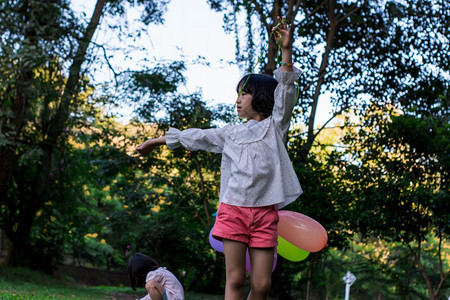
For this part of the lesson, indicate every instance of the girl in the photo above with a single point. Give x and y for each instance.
(257, 176)
(159, 283)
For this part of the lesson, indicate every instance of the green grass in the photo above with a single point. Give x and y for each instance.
(20, 283)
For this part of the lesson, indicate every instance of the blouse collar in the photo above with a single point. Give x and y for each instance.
(250, 132)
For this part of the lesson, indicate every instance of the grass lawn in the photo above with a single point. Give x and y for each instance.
(19, 283)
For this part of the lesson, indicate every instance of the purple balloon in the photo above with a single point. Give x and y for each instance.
(248, 263)
(216, 244)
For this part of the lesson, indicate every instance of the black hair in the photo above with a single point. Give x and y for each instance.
(262, 88)
(138, 268)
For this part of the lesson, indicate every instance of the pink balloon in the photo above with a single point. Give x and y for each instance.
(301, 231)
(216, 244)
(248, 263)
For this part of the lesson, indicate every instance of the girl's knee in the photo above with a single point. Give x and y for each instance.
(154, 288)
(260, 285)
(236, 280)
(152, 284)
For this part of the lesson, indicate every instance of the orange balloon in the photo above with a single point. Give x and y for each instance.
(301, 231)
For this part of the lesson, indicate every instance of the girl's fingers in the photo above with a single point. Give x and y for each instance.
(281, 23)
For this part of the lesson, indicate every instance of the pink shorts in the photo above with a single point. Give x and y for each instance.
(254, 226)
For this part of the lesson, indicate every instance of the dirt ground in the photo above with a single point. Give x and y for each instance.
(122, 296)
(92, 277)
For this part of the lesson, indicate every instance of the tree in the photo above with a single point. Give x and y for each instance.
(402, 150)
(369, 53)
(400, 182)
(42, 54)
(340, 29)
(187, 180)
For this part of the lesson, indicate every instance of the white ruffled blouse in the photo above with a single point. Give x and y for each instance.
(174, 289)
(256, 169)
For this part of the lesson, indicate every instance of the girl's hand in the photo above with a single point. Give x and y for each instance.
(283, 33)
(146, 147)
(149, 145)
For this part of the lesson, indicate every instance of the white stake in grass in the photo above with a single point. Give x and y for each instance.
(349, 278)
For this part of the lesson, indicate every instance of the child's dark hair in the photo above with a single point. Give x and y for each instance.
(138, 268)
(262, 88)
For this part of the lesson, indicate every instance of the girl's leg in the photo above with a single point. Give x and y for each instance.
(235, 269)
(154, 289)
(261, 266)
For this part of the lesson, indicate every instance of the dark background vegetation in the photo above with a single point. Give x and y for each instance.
(376, 176)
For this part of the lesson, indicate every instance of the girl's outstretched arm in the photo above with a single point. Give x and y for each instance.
(283, 36)
(149, 145)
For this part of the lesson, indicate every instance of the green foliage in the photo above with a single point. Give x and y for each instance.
(181, 190)
(379, 186)
(398, 176)
(403, 166)
(153, 11)
(45, 104)
(382, 269)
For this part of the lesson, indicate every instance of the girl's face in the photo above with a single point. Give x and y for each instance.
(245, 109)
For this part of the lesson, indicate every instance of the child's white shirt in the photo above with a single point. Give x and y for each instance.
(173, 287)
(256, 169)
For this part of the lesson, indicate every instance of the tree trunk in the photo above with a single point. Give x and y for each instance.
(218, 274)
(272, 48)
(321, 75)
(312, 261)
(432, 293)
(281, 289)
(70, 91)
(20, 105)
(202, 188)
(18, 230)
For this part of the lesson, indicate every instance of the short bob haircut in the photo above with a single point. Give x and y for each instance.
(262, 88)
(138, 268)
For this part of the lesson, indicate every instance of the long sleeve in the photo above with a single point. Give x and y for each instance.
(285, 96)
(211, 140)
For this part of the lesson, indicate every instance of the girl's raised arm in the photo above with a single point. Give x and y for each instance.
(284, 36)
(285, 93)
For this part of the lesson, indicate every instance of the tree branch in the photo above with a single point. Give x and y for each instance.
(322, 71)
(324, 125)
(293, 13)
(316, 9)
(351, 12)
(262, 14)
(422, 269)
(107, 62)
(441, 283)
